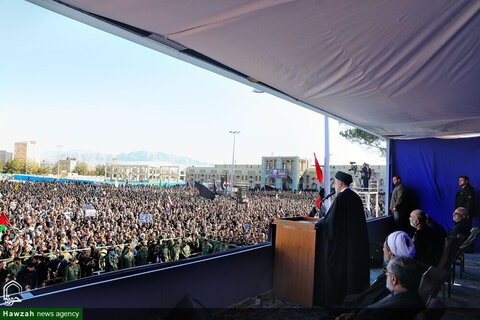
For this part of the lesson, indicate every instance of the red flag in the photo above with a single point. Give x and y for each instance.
(3, 221)
(319, 177)
(170, 204)
(318, 202)
(247, 204)
(318, 169)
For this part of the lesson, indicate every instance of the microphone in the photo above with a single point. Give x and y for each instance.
(314, 209)
(329, 195)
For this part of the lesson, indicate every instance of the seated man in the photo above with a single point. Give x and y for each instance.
(404, 302)
(428, 244)
(461, 226)
(397, 244)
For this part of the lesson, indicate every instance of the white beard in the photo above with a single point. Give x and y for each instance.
(413, 224)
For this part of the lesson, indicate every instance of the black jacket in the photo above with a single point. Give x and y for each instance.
(466, 198)
(461, 227)
(402, 305)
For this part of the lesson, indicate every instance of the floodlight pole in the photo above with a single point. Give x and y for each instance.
(233, 159)
(58, 164)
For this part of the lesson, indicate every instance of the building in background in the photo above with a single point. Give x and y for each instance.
(283, 172)
(245, 175)
(67, 165)
(143, 172)
(5, 156)
(20, 151)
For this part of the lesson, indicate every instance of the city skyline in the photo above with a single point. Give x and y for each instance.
(73, 85)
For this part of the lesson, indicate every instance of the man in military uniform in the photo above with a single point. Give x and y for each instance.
(217, 244)
(72, 271)
(206, 247)
(175, 250)
(14, 268)
(165, 251)
(142, 256)
(111, 260)
(127, 260)
(186, 250)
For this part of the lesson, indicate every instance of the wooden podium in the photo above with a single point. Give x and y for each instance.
(295, 254)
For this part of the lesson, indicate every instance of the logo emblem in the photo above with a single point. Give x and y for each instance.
(6, 297)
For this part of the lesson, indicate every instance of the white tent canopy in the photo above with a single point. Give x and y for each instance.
(403, 69)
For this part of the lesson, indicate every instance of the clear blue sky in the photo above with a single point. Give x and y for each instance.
(63, 82)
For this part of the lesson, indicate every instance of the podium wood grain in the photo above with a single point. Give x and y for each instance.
(295, 249)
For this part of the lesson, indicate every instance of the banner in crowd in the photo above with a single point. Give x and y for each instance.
(278, 174)
(223, 183)
(89, 211)
(145, 218)
(204, 191)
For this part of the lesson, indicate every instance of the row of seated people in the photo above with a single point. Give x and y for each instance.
(394, 294)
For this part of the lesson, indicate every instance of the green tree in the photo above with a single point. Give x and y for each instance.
(100, 170)
(81, 168)
(45, 170)
(2, 166)
(33, 167)
(14, 166)
(367, 139)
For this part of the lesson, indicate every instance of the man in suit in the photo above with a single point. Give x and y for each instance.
(398, 204)
(428, 244)
(461, 226)
(404, 302)
(397, 244)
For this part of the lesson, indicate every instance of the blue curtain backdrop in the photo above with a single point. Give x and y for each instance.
(430, 169)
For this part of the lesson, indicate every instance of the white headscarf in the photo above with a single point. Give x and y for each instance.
(401, 245)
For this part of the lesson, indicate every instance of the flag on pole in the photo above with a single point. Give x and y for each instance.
(319, 178)
(318, 169)
(3, 221)
(170, 202)
(16, 187)
(247, 205)
(204, 191)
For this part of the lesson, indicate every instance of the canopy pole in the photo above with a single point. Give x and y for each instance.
(326, 169)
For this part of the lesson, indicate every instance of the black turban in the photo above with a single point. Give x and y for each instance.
(344, 177)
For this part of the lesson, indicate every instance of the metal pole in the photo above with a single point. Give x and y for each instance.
(326, 175)
(58, 164)
(26, 159)
(233, 159)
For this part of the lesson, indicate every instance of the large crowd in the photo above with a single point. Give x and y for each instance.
(68, 230)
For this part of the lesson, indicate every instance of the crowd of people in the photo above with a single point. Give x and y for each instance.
(64, 231)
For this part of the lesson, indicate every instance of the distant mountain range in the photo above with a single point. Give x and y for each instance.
(94, 158)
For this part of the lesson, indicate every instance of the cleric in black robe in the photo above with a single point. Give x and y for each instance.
(343, 265)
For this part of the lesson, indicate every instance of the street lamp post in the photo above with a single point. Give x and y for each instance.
(26, 156)
(58, 164)
(233, 158)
